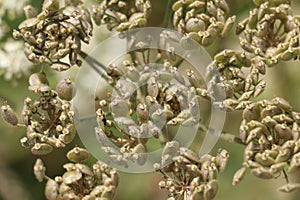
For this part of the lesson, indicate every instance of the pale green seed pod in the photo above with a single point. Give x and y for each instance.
(153, 88)
(142, 113)
(252, 112)
(66, 89)
(71, 177)
(290, 187)
(283, 156)
(195, 25)
(177, 5)
(294, 164)
(211, 189)
(51, 190)
(41, 149)
(8, 115)
(278, 167)
(108, 192)
(171, 148)
(39, 170)
(282, 103)
(228, 26)
(283, 132)
(239, 175)
(60, 66)
(189, 154)
(262, 173)
(119, 107)
(69, 134)
(270, 111)
(222, 159)
(78, 155)
(264, 160)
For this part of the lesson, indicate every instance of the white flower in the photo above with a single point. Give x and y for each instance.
(12, 7)
(13, 61)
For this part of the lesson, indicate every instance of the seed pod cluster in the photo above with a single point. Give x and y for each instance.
(239, 75)
(185, 174)
(122, 15)
(270, 129)
(271, 31)
(146, 100)
(202, 20)
(56, 33)
(82, 182)
(49, 119)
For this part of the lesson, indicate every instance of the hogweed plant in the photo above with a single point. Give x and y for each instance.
(149, 87)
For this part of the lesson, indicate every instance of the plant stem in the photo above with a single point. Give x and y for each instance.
(168, 14)
(91, 61)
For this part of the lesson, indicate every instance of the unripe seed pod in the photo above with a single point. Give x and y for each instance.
(41, 149)
(60, 66)
(283, 155)
(66, 89)
(228, 26)
(211, 189)
(39, 170)
(239, 175)
(8, 114)
(283, 132)
(278, 167)
(78, 155)
(290, 187)
(262, 173)
(71, 177)
(195, 25)
(51, 189)
(142, 113)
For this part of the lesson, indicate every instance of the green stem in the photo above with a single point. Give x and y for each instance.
(168, 14)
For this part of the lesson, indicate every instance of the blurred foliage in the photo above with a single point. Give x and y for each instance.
(17, 163)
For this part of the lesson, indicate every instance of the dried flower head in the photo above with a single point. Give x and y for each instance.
(270, 129)
(122, 15)
(188, 176)
(146, 101)
(49, 119)
(271, 32)
(56, 33)
(240, 77)
(80, 181)
(202, 21)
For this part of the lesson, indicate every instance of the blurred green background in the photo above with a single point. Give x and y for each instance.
(16, 177)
